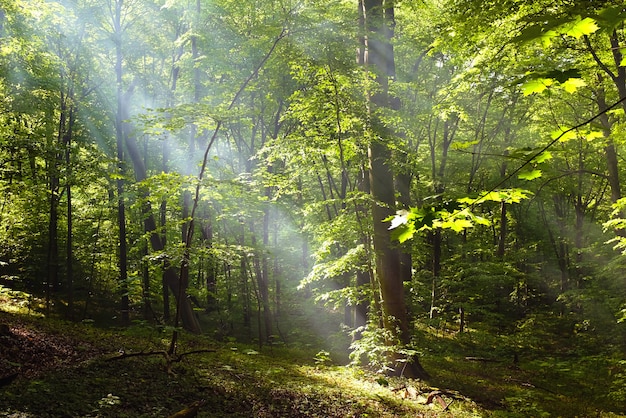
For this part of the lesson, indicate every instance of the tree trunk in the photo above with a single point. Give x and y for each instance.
(53, 237)
(435, 238)
(259, 262)
(503, 231)
(379, 23)
(119, 135)
(364, 278)
(67, 142)
(403, 186)
(211, 267)
(177, 285)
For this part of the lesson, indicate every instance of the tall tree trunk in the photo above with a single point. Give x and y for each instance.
(435, 240)
(265, 290)
(193, 128)
(53, 236)
(210, 279)
(618, 76)
(119, 135)
(403, 186)
(67, 142)
(364, 278)
(276, 273)
(175, 72)
(259, 262)
(379, 29)
(177, 285)
(245, 288)
(52, 262)
(609, 149)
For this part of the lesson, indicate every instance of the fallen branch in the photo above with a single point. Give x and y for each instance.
(530, 385)
(124, 354)
(191, 411)
(482, 359)
(436, 395)
(170, 358)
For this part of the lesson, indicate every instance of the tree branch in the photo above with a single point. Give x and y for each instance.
(598, 60)
(548, 146)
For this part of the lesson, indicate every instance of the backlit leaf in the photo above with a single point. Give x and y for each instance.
(594, 135)
(543, 157)
(529, 175)
(572, 84)
(403, 233)
(463, 145)
(580, 27)
(457, 225)
(564, 135)
(536, 86)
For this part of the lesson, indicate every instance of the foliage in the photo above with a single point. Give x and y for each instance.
(456, 216)
(504, 126)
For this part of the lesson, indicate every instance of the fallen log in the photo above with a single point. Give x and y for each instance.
(482, 359)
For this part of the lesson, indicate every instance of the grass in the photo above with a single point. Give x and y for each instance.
(543, 382)
(74, 375)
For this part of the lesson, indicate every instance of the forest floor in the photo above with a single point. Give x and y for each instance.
(50, 368)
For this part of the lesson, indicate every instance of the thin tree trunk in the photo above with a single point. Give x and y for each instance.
(211, 268)
(245, 289)
(364, 278)
(259, 262)
(119, 134)
(67, 142)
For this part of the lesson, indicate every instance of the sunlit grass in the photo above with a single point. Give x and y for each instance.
(240, 380)
(18, 302)
(480, 364)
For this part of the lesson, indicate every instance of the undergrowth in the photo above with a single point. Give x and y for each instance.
(477, 378)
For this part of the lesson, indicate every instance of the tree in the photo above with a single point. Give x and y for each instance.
(378, 26)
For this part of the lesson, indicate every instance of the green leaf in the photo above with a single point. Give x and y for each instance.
(507, 195)
(546, 38)
(529, 175)
(561, 75)
(403, 233)
(542, 30)
(572, 84)
(564, 135)
(611, 17)
(543, 157)
(463, 145)
(590, 136)
(580, 27)
(536, 86)
(457, 225)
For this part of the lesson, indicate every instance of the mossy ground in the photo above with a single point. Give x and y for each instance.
(70, 370)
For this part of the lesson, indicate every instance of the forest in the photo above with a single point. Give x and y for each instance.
(312, 208)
